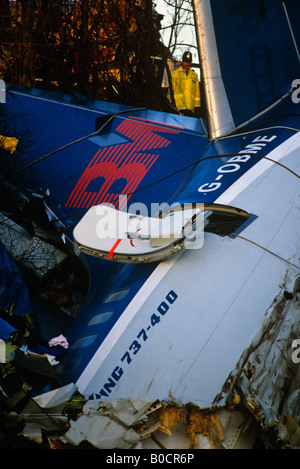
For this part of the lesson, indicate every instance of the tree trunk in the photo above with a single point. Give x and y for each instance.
(27, 77)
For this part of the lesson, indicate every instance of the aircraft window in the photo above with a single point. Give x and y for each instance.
(84, 341)
(116, 295)
(100, 318)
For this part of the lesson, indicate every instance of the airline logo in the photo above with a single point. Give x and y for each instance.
(120, 168)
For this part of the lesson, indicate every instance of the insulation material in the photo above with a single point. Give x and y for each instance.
(207, 424)
(170, 416)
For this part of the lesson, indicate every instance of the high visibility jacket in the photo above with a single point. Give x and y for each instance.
(186, 89)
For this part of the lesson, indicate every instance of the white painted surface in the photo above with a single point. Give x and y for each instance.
(223, 291)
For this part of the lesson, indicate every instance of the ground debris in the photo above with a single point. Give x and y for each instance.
(62, 418)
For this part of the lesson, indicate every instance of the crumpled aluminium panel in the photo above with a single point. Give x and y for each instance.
(108, 425)
(267, 372)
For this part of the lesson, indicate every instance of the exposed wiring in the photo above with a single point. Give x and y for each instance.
(183, 169)
(258, 127)
(265, 249)
(93, 134)
(241, 134)
(227, 155)
(111, 117)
